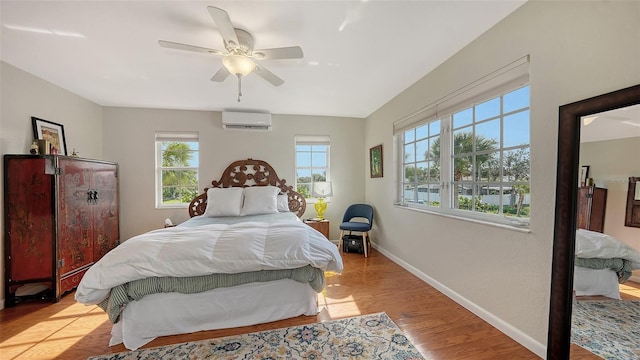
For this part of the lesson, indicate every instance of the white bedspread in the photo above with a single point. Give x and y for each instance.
(201, 250)
(590, 244)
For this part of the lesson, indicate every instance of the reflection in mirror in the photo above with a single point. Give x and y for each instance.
(560, 306)
(632, 216)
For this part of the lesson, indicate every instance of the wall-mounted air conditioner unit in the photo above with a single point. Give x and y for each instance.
(246, 121)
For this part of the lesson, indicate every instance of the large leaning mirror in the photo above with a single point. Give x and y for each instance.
(560, 307)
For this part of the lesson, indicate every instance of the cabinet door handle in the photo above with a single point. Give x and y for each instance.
(92, 197)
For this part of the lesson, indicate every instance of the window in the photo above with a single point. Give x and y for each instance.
(312, 162)
(177, 161)
(490, 156)
(471, 159)
(421, 183)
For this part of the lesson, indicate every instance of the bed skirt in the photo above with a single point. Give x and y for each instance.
(173, 313)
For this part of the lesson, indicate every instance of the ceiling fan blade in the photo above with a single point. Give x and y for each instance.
(221, 75)
(268, 75)
(222, 20)
(179, 46)
(291, 52)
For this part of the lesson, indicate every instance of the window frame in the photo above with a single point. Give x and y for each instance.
(312, 140)
(173, 136)
(448, 195)
(429, 136)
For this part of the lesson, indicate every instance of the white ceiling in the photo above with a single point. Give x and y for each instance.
(357, 54)
(610, 125)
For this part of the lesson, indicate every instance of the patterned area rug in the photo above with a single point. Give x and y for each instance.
(363, 337)
(609, 329)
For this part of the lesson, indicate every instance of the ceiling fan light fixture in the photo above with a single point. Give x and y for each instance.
(587, 120)
(238, 64)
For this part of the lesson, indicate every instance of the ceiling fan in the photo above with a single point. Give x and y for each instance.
(588, 120)
(239, 55)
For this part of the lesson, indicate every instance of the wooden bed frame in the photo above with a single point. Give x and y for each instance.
(250, 172)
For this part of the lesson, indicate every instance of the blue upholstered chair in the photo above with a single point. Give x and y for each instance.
(360, 212)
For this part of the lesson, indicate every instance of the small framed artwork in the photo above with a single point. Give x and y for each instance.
(51, 132)
(584, 175)
(375, 161)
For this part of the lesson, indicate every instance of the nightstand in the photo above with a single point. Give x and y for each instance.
(320, 225)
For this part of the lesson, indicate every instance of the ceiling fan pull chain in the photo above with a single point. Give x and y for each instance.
(239, 86)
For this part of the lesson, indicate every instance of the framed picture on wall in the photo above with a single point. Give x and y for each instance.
(51, 132)
(584, 175)
(375, 161)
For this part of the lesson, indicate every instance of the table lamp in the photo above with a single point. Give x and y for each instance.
(321, 190)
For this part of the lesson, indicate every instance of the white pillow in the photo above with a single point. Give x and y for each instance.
(224, 202)
(283, 203)
(260, 200)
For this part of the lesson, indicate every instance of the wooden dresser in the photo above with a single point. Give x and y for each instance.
(592, 203)
(61, 216)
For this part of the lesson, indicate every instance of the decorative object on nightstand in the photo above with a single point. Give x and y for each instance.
(321, 225)
(321, 190)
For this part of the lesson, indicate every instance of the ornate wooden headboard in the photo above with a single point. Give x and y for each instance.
(243, 173)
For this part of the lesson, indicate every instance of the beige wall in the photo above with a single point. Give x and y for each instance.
(578, 50)
(22, 96)
(611, 163)
(25, 95)
(130, 135)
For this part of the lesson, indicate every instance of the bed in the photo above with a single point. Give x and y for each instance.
(243, 258)
(602, 263)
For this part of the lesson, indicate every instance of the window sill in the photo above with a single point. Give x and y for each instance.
(176, 206)
(504, 225)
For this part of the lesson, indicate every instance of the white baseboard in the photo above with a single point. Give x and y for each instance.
(512, 332)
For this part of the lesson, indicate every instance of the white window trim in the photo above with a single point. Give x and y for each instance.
(504, 80)
(314, 140)
(506, 224)
(171, 136)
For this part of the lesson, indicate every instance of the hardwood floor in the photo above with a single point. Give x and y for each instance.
(437, 326)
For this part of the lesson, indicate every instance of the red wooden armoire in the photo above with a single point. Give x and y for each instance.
(61, 216)
(592, 204)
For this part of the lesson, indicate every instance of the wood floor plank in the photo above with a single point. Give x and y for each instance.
(436, 325)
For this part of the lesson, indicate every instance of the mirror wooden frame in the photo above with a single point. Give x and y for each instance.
(561, 299)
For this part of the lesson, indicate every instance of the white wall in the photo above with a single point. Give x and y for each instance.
(130, 138)
(578, 50)
(22, 96)
(611, 163)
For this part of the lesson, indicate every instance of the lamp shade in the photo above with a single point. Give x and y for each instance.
(322, 189)
(238, 64)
